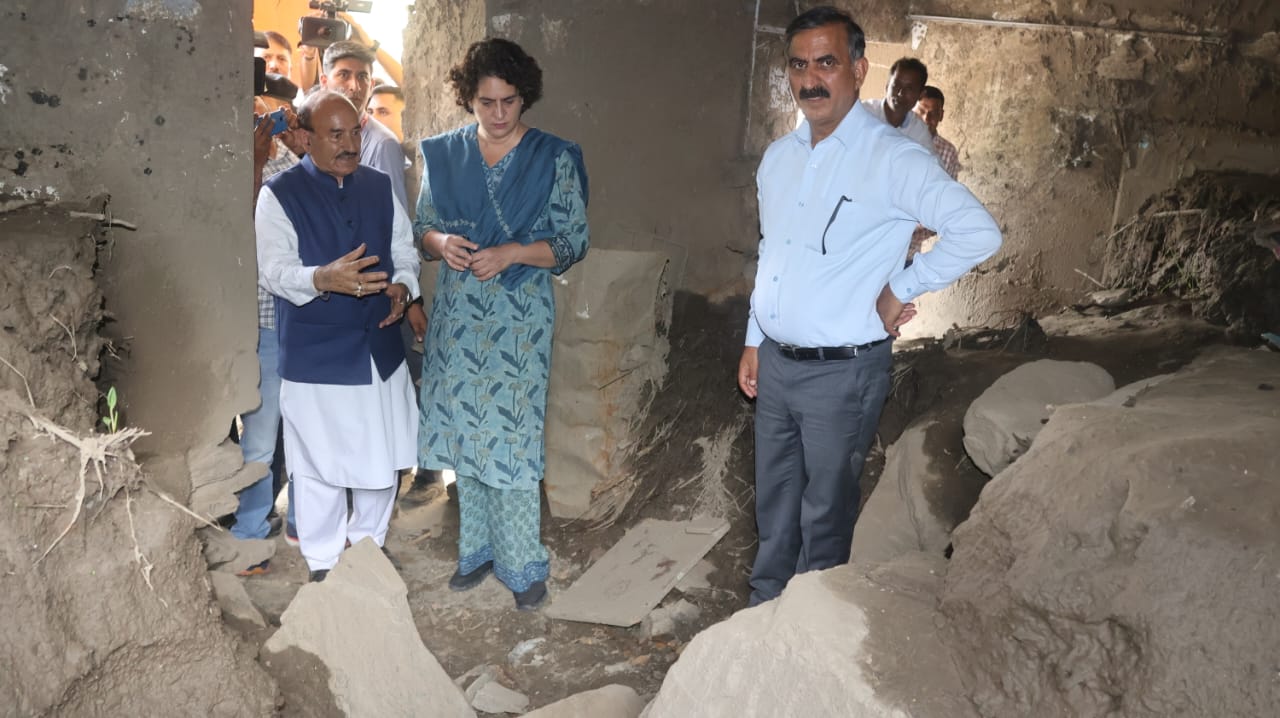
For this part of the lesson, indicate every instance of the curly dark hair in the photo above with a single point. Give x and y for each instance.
(503, 59)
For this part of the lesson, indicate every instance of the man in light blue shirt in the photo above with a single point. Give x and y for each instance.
(839, 198)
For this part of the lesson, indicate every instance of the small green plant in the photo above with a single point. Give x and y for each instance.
(112, 419)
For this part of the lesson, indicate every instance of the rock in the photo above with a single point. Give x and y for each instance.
(233, 600)
(357, 622)
(1127, 565)
(217, 473)
(909, 510)
(1129, 393)
(493, 697)
(849, 641)
(1110, 298)
(611, 346)
(611, 701)
(270, 596)
(662, 621)
(1001, 423)
(224, 552)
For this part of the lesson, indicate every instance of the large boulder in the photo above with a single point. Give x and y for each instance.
(855, 640)
(911, 507)
(1128, 563)
(1001, 423)
(357, 622)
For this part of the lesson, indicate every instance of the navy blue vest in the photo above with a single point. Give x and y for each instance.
(329, 340)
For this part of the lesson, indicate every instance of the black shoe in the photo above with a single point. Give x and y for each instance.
(318, 575)
(460, 581)
(532, 597)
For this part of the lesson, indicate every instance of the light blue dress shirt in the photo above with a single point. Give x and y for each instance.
(835, 222)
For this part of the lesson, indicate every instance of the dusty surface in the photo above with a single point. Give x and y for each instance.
(1138, 581)
(117, 619)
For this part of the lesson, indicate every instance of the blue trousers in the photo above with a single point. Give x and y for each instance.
(815, 421)
(258, 442)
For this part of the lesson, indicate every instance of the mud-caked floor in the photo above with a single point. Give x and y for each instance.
(699, 463)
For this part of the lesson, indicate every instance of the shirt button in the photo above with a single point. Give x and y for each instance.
(773, 316)
(775, 277)
(788, 241)
(802, 204)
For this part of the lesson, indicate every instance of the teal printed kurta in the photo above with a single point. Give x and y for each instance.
(487, 357)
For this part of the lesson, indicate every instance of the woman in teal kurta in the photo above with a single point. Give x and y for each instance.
(504, 205)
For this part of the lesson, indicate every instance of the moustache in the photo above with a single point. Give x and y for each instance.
(347, 155)
(813, 93)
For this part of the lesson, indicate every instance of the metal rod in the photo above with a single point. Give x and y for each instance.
(1211, 39)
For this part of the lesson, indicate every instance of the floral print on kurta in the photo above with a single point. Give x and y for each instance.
(487, 357)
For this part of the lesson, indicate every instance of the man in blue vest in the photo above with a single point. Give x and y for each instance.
(335, 248)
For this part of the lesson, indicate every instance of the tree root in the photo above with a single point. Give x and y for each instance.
(94, 450)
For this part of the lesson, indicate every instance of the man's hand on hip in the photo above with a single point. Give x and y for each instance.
(748, 368)
(893, 313)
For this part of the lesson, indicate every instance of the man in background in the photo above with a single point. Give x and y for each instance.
(930, 109)
(348, 69)
(279, 55)
(386, 104)
(907, 78)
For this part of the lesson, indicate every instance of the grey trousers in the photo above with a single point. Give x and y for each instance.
(815, 421)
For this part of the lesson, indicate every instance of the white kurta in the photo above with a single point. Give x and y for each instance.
(352, 436)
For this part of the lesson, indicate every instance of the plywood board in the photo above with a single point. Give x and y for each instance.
(628, 581)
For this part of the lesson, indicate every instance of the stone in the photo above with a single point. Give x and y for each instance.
(610, 349)
(1001, 423)
(493, 697)
(908, 510)
(849, 641)
(1127, 564)
(271, 596)
(1110, 298)
(663, 621)
(358, 623)
(234, 600)
(224, 552)
(611, 701)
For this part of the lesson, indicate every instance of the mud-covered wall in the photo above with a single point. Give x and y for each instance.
(147, 102)
(1064, 132)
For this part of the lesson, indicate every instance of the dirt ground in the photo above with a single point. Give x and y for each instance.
(698, 460)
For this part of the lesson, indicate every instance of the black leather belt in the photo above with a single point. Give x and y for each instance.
(827, 353)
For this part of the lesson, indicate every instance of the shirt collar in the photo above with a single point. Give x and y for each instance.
(846, 132)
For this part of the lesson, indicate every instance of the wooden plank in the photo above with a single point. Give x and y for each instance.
(628, 581)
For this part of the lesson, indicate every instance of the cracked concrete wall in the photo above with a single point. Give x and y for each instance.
(148, 102)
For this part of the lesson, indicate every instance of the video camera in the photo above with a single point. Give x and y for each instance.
(322, 32)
